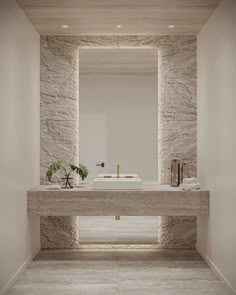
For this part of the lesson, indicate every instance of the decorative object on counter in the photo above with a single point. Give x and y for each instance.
(190, 180)
(189, 184)
(175, 172)
(59, 164)
(184, 170)
(179, 171)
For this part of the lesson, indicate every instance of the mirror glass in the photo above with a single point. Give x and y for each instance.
(119, 111)
(119, 125)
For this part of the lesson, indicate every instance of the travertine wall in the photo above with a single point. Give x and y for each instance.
(177, 118)
(177, 129)
(59, 129)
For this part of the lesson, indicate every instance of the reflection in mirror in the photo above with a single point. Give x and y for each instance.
(119, 111)
(119, 125)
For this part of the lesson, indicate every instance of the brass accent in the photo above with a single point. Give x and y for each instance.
(107, 176)
(118, 171)
(117, 217)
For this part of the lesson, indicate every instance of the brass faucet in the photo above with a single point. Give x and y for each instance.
(118, 175)
(118, 170)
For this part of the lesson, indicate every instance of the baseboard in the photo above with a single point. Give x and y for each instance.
(12, 281)
(216, 271)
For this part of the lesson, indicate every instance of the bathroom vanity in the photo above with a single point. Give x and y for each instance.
(152, 200)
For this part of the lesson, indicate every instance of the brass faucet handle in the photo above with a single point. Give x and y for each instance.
(118, 170)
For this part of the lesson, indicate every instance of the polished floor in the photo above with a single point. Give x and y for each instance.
(128, 230)
(118, 272)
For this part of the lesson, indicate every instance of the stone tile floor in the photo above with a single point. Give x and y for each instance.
(119, 272)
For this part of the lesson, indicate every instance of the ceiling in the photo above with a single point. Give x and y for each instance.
(138, 61)
(101, 17)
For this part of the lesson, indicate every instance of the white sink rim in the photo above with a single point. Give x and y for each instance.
(117, 183)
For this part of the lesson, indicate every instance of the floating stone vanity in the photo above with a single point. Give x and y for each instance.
(153, 200)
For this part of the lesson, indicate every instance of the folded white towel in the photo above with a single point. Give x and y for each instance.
(189, 187)
(190, 180)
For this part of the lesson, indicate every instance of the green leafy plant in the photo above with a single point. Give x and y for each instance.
(53, 168)
(81, 170)
(59, 164)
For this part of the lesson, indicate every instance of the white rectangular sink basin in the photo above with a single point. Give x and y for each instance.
(112, 182)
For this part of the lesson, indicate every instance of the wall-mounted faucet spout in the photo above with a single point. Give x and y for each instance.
(118, 170)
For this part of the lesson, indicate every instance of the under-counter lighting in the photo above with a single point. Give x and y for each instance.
(119, 26)
(65, 26)
(171, 26)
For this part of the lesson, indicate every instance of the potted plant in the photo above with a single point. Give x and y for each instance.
(59, 164)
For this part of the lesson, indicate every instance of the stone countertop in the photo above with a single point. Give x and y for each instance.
(153, 200)
(150, 186)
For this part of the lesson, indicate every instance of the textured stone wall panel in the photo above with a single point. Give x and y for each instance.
(59, 134)
(178, 101)
(178, 57)
(178, 141)
(59, 128)
(177, 132)
(82, 41)
(177, 104)
(177, 232)
(59, 232)
(140, 41)
(97, 41)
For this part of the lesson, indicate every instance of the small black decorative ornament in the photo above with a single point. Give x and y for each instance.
(59, 164)
(67, 184)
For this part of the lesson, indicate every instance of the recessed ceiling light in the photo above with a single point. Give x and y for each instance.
(119, 26)
(171, 26)
(65, 26)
